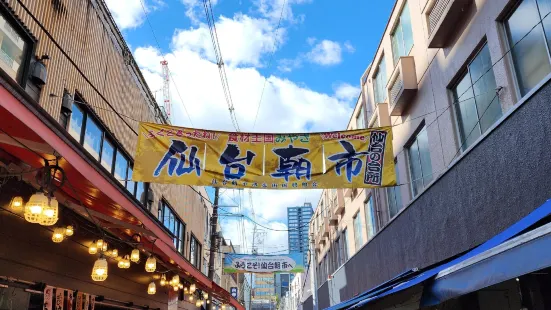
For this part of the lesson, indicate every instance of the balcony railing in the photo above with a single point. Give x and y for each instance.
(403, 85)
(442, 18)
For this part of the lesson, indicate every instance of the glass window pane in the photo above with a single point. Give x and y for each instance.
(424, 153)
(130, 185)
(358, 238)
(370, 218)
(467, 116)
(12, 50)
(415, 169)
(140, 193)
(92, 138)
(107, 153)
(75, 127)
(396, 41)
(487, 102)
(407, 31)
(121, 165)
(529, 55)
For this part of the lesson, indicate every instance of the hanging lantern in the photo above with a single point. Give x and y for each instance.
(208, 301)
(99, 243)
(192, 288)
(151, 264)
(34, 207)
(16, 203)
(205, 295)
(69, 231)
(135, 256)
(175, 280)
(163, 280)
(114, 253)
(99, 272)
(58, 235)
(175, 288)
(49, 214)
(151, 289)
(190, 298)
(93, 249)
(185, 290)
(223, 307)
(198, 303)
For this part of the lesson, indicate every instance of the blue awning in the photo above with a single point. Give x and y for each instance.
(419, 278)
(524, 254)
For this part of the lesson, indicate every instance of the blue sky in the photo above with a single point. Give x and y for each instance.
(321, 50)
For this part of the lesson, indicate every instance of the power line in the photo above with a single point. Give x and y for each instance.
(160, 51)
(270, 61)
(220, 62)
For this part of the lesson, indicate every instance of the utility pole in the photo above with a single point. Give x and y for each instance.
(313, 263)
(213, 235)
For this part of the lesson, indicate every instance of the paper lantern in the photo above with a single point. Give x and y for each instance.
(93, 249)
(151, 289)
(135, 256)
(99, 243)
(163, 280)
(58, 235)
(69, 231)
(175, 288)
(151, 264)
(114, 253)
(205, 295)
(99, 272)
(198, 303)
(175, 280)
(192, 288)
(190, 298)
(16, 203)
(34, 207)
(208, 301)
(49, 214)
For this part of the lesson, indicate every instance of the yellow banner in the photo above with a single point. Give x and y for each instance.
(347, 159)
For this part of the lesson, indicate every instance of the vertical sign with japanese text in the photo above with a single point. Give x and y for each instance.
(347, 159)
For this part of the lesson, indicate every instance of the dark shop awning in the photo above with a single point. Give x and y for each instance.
(524, 254)
(432, 296)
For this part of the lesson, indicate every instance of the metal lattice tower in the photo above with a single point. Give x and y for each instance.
(166, 88)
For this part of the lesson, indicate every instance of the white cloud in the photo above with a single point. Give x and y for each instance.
(327, 52)
(271, 9)
(346, 92)
(130, 13)
(194, 9)
(243, 40)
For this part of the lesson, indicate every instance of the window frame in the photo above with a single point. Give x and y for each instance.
(372, 215)
(397, 25)
(198, 251)
(375, 82)
(165, 205)
(31, 41)
(408, 146)
(396, 191)
(357, 245)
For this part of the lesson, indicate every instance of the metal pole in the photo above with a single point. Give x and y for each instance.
(313, 264)
(213, 234)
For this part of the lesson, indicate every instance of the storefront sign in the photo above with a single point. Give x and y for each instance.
(86, 301)
(70, 298)
(79, 301)
(233, 291)
(59, 297)
(239, 263)
(48, 297)
(347, 159)
(92, 302)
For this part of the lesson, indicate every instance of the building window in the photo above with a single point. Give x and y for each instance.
(360, 120)
(379, 82)
(402, 37)
(370, 218)
(393, 195)
(476, 103)
(344, 245)
(194, 252)
(419, 162)
(75, 125)
(84, 127)
(92, 138)
(121, 167)
(14, 49)
(107, 155)
(531, 55)
(358, 238)
(173, 224)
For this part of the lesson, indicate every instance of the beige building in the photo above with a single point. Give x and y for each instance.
(444, 73)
